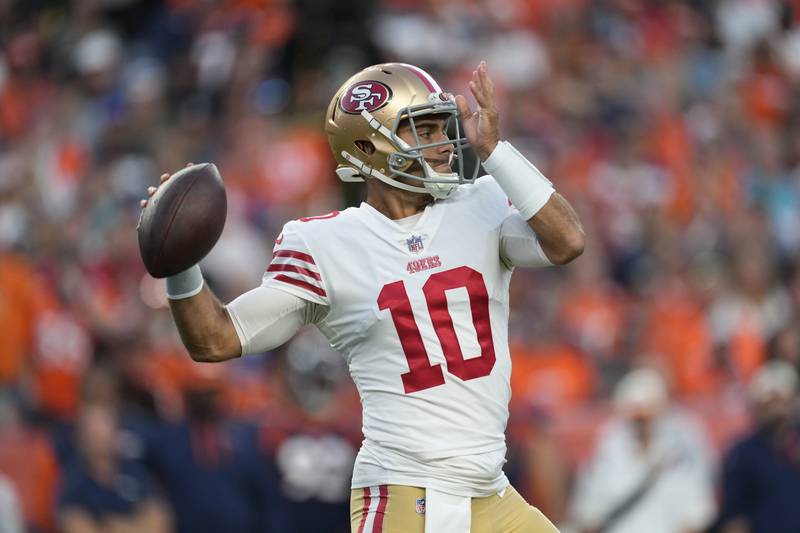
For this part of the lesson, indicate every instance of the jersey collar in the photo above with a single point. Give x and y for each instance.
(391, 231)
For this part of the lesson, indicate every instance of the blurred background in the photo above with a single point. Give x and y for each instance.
(655, 378)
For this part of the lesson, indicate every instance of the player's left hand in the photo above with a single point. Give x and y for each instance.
(481, 126)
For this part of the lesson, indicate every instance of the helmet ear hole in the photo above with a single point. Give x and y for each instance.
(365, 146)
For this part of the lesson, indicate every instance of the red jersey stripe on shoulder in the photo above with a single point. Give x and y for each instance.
(302, 284)
(275, 267)
(426, 78)
(297, 255)
(381, 511)
(365, 510)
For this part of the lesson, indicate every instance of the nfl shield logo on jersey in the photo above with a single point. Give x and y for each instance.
(420, 507)
(415, 244)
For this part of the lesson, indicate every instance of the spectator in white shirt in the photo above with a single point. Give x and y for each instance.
(651, 469)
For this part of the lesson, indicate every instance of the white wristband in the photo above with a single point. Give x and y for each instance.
(526, 187)
(186, 284)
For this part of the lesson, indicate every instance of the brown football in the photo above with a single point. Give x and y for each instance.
(182, 220)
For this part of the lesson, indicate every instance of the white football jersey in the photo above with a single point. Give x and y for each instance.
(421, 316)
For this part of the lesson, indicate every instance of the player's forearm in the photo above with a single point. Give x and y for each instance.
(555, 223)
(205, 327)
(559, 230)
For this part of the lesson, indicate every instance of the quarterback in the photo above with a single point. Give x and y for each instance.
(412, 289)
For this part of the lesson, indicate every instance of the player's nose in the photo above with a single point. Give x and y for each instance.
(444, 149)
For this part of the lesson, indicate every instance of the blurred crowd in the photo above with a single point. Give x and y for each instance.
(655, 378)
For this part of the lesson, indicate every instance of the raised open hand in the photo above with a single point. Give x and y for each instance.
(481, 126)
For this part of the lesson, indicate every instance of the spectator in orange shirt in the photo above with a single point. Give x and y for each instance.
(553, 376)
(593, 309)
(27, 459)
(753, 309)
(63, 353)
(19, 296)
(677, 333)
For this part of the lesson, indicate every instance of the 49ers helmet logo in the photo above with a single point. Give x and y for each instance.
(365, 96)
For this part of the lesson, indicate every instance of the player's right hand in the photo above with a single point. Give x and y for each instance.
(152, 190)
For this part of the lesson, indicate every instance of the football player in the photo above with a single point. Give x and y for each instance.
(412, 289)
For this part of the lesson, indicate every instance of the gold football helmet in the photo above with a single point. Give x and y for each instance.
(368, 109)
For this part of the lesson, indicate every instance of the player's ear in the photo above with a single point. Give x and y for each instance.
(365, 146)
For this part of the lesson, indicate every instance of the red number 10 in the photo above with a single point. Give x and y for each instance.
(421, 373)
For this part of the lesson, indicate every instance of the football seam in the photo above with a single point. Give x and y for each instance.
(174, 214)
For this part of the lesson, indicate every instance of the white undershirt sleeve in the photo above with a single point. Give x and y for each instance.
(519, 245)
(266, 317)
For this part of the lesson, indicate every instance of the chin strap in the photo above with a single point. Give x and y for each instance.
(348, 174)
(367, 170)
(439, 191)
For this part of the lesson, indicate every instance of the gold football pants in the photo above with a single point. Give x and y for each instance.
(399, 509)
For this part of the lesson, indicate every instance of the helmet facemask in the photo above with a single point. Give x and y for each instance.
(408, 156)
